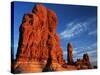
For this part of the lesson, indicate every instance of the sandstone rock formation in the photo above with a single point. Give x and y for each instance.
(69, 53)
(39, 45)
(38, 42)
(83, 63)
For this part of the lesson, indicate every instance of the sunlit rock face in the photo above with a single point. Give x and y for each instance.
(39, 44)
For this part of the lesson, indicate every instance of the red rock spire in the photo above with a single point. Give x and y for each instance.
(70, 53)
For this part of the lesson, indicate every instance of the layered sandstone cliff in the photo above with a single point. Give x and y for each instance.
(39, 44)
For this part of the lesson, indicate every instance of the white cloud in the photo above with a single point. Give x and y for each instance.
(68, 33)
(92, 32)
(91, 50)
(81, 50)
(76, 27)
(92, 46)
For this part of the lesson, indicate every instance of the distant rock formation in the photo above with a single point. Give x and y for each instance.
(84, 63)
(38, 41)
(70, 53)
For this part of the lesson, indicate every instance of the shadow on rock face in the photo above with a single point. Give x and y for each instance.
(48, 68)
(18, 70)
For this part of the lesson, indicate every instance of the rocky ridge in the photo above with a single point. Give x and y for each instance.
(39, 45)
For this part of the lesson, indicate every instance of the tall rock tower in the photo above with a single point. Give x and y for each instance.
(39, 44)
(69, 53)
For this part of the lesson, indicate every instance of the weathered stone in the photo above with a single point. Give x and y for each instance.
(38, 40)
(39, 45)
(83, 63)
(69, 53)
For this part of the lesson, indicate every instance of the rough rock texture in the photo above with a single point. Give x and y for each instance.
(38, 42)
(69, 53)
(83, 63)
(39, 45)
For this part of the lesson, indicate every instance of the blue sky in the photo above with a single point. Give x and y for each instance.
(76, 24)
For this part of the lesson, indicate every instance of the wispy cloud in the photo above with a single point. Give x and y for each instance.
(92, 46)
(86, 48)
(91, 50)
(68, 33)
(76, 27)
(92, 32)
